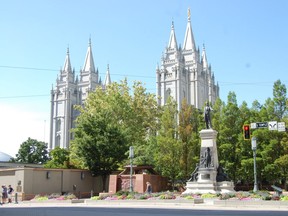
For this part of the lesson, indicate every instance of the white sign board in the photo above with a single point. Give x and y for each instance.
(281, 126)
(253, 125)
(272, 125)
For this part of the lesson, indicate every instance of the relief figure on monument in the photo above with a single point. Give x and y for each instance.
(206, 158)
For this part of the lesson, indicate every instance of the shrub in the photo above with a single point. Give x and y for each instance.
(70, 196)
(284, 198)
(95, 198)
(208, 195)
(130, 196)
(143, 196)
(225, 196)
(40, 198)
(242, 195)
(119, 193)
(189, 197)
(54, 196)
(167, 196)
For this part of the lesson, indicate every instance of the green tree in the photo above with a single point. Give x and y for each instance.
(32, 151)
(143, 123)
(185, 136)
(135, 112)
(168, 151)
(59, 158)
(129, 116)
(99, 144)
(230, 129)
(280, 99)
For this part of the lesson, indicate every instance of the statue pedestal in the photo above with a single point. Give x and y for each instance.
(209, 187)
(208, 168)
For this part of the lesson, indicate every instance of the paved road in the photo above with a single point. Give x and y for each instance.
(108, 211)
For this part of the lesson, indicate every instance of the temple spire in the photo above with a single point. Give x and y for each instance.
(89, 61)
(204, 58)
(107, 78)
(189, 42)
(172, 41)
(67, 64)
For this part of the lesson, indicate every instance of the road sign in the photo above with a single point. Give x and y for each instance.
(261, 124)
(272, 125)
(281, 127)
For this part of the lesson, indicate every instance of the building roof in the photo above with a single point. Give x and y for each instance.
(4, 157)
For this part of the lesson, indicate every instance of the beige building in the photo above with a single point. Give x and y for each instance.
(29, 181)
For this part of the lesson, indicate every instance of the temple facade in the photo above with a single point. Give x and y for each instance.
(184, 73)
(71, 90)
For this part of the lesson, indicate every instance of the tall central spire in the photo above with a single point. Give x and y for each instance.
(89, 61)
(189, 42)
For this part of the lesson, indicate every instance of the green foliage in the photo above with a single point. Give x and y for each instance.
(168, 150)
(100, 144)
(189, 197)
(32, 151)
(55, 196)
(167, 196)
(209, 195)
(119, 117)
(59, 158)
(95, 198)
(284, 198)
(110, 121)
(187, 138)
(226, 196)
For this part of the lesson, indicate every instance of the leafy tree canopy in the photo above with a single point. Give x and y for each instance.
(32, 151)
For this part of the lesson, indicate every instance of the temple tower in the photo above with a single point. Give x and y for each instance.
(183, 73)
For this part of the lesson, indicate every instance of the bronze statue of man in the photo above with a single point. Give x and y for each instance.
(207, 117)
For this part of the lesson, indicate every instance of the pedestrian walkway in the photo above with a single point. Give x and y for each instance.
(173, 204)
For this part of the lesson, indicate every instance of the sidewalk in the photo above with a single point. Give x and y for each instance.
(209, 204)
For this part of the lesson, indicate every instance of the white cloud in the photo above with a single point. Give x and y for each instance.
(18, 124)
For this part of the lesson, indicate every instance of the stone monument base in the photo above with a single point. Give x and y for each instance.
(209, 187)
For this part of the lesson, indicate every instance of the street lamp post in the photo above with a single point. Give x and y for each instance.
(254, 147)
(131, 156)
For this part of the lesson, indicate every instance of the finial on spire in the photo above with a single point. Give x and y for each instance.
(90, 40)
(189, 14)
(172, 26)
(68, 49)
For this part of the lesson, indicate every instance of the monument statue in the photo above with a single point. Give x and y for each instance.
(206, 158)
(221, 175)
(209, 176)
(207, 117)
(194, 175)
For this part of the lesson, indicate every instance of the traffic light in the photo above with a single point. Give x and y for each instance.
(246, 132)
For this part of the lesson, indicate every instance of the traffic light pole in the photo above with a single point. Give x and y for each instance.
(254, 147)
(131, 156)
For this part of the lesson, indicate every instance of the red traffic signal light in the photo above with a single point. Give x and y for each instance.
(246, 132)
